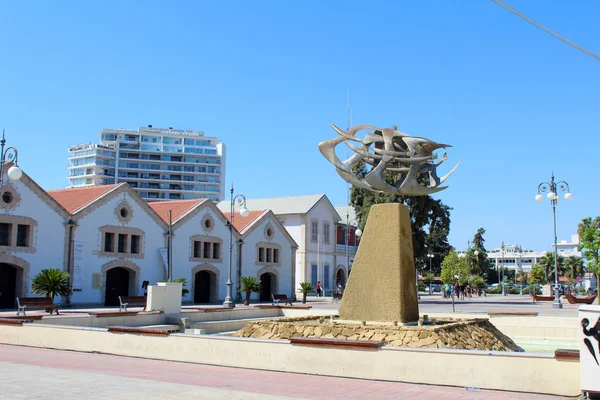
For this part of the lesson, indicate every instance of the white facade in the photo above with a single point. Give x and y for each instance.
(275, 271)
(110, 272)
(201, 251)
(311, 223)
(160, 164)
(24, 252)
(514, 257)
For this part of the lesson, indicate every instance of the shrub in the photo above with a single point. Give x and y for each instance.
(51, 282)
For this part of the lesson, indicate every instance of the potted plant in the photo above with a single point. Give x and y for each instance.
(306, 288)
(249, 284)
(50, 283)
(183, 281)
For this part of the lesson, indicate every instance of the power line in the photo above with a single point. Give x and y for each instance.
(540, 26)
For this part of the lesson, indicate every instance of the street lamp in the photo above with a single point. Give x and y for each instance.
(9, 155)
(241, 201)
(430, 256)
(350, 223)
(552, 189)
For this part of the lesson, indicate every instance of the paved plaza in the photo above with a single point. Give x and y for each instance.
(30, 373)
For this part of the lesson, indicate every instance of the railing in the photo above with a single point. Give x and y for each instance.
(341, 248)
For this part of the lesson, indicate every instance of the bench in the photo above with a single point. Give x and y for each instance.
(36, 302)
(537, 298)
(281, 297)
(131, 301)
(580, 300)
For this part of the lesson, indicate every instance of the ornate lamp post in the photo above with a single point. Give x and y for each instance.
(241, 201)
(350, 223)
(11, 155)
(430, 256)
(552, 189)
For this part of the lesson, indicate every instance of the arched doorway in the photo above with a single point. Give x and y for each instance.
(267, 285)
(117, 284)
(203, 284)
(340, 277)
(8, 285)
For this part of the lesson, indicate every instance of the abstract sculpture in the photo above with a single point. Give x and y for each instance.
(392, 151)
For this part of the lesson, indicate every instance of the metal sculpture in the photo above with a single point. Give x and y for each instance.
(388, 150)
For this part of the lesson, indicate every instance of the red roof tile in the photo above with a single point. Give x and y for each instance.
(73, 199)
(178, 208)
(240, 223)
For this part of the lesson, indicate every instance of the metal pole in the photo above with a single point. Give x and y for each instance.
(557, 303)
(170, 249)
(2, 143)
(347, 242)
(228, 303)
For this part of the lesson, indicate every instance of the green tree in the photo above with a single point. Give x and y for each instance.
(547, 262)
(574, 267)
(430, 218)
(249, 284)
(537, 275)
(306, 288)
(478, 240)
(51, 282)
(454, 268)
(589, 243)
(476, 281)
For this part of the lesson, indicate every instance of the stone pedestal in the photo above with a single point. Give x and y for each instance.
(165, 296)
(382, 285)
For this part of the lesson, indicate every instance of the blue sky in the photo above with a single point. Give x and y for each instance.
(267, 77)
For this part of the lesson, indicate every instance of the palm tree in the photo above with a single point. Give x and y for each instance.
(51, 282)
(574, 266)
(306, 288)
(587, 223)
(547, 262)
(249, 284)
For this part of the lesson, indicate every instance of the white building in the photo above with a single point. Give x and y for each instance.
(116, 241)
(33, 236)
(311, 222)
(268, 252)
(512, 256)
(200, 247)
(160, 164)
(111, 242)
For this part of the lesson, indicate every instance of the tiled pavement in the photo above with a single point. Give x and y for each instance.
(30, 373)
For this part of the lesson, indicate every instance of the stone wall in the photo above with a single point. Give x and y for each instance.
(474, 334)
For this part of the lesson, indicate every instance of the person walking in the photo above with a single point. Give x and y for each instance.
(319, 289)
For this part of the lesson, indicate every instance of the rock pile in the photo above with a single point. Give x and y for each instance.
(473, 334)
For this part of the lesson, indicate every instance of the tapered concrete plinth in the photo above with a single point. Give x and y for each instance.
(382, 285)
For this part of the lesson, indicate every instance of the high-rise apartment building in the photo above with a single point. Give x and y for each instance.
(160, 164)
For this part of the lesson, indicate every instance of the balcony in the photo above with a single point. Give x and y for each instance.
(341, 248)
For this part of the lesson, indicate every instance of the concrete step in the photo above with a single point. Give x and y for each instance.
(211, 327)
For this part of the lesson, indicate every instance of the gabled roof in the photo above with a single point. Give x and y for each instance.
(37, 189)
(282, 205)
(77, 198)
(344, 211)
(245, 225)
(240, 223)
(179, 208)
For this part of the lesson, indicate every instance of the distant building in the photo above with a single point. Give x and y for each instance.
(159, 164)
(513, 256)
